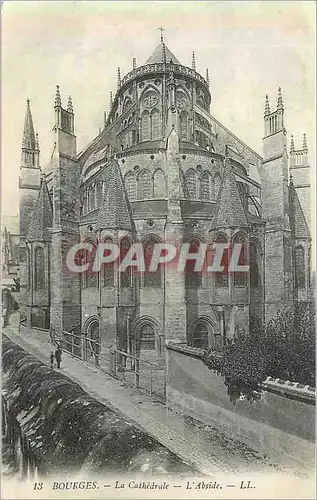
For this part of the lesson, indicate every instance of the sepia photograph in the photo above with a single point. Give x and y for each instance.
(158, 249)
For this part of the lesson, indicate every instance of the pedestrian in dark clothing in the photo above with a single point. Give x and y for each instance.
(58, 356)
(52, 360)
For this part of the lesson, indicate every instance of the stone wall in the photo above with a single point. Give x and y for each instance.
(281, 425)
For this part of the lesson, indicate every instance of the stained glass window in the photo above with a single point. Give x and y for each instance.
(159, 184)
(145, 187)
(146, 126)
(131, 186)
(156, 124)
(222, 276)
(125, 276)
(240, 278)
(184, 125)
(200, 336)
(147, 338)
(151, 279)
(205, 186)
(191, 184)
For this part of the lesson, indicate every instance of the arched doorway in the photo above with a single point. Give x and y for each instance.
(92, 341)
(200, 336)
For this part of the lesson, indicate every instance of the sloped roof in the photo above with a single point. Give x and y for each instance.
(157, 56)
(42, 217)
(114, 211)
(229, 208)
(297, 218)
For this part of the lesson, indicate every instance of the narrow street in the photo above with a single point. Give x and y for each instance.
(202, 447)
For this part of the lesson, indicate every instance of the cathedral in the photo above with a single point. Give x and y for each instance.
(163, 169)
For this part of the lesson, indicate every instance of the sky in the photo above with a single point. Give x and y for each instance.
(250, 49)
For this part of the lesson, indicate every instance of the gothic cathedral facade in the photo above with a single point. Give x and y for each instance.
(163, 169)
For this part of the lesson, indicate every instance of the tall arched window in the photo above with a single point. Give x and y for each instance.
(300, 267)
(145, 126)
(91, 277)
(99, 194)
(182, 182)
(125, 276)
(254, 266)
(159, 184)
(193, 279)
(222, 276)
(200, 335)
(205, 186)
(145, 185)
(217, 181)
(151, 279)
(108, 269)
(39, 268)
(156, 124)
(191, 184)
(127, 103)
(130, 186)
(184, 125)
(240, 278)
(147, 338)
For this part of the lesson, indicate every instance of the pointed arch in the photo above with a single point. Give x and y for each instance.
(130, 186)
(217, 181)
(206, 186)
(222, 276)
(204, 332)
(151, 279)
(159, 185)
(125, 276)
(145, 126)
(240, 278)
(126, 103)
(183, 119)
(191, 184)
(145, 185)
(193, 279)
(107, 270)
(155, 124)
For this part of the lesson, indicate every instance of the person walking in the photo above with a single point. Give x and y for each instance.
(58, 356)
(52, 359)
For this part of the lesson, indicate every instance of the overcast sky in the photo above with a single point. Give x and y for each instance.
(250, 48)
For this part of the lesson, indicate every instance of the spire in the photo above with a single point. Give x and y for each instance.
(229, 208)
(118, 78)
(42, 218)
(114, 211)
(305, 148)
(207, 77)
(267, 106)
(70, 105)
(193, 61)
(134, 63)
(161, 30)
(58, 101)
(280, 99)
(292, 148)
(28, 141)
(104, 119)
(110, 100)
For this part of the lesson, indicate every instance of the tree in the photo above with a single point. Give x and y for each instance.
(284, 349)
